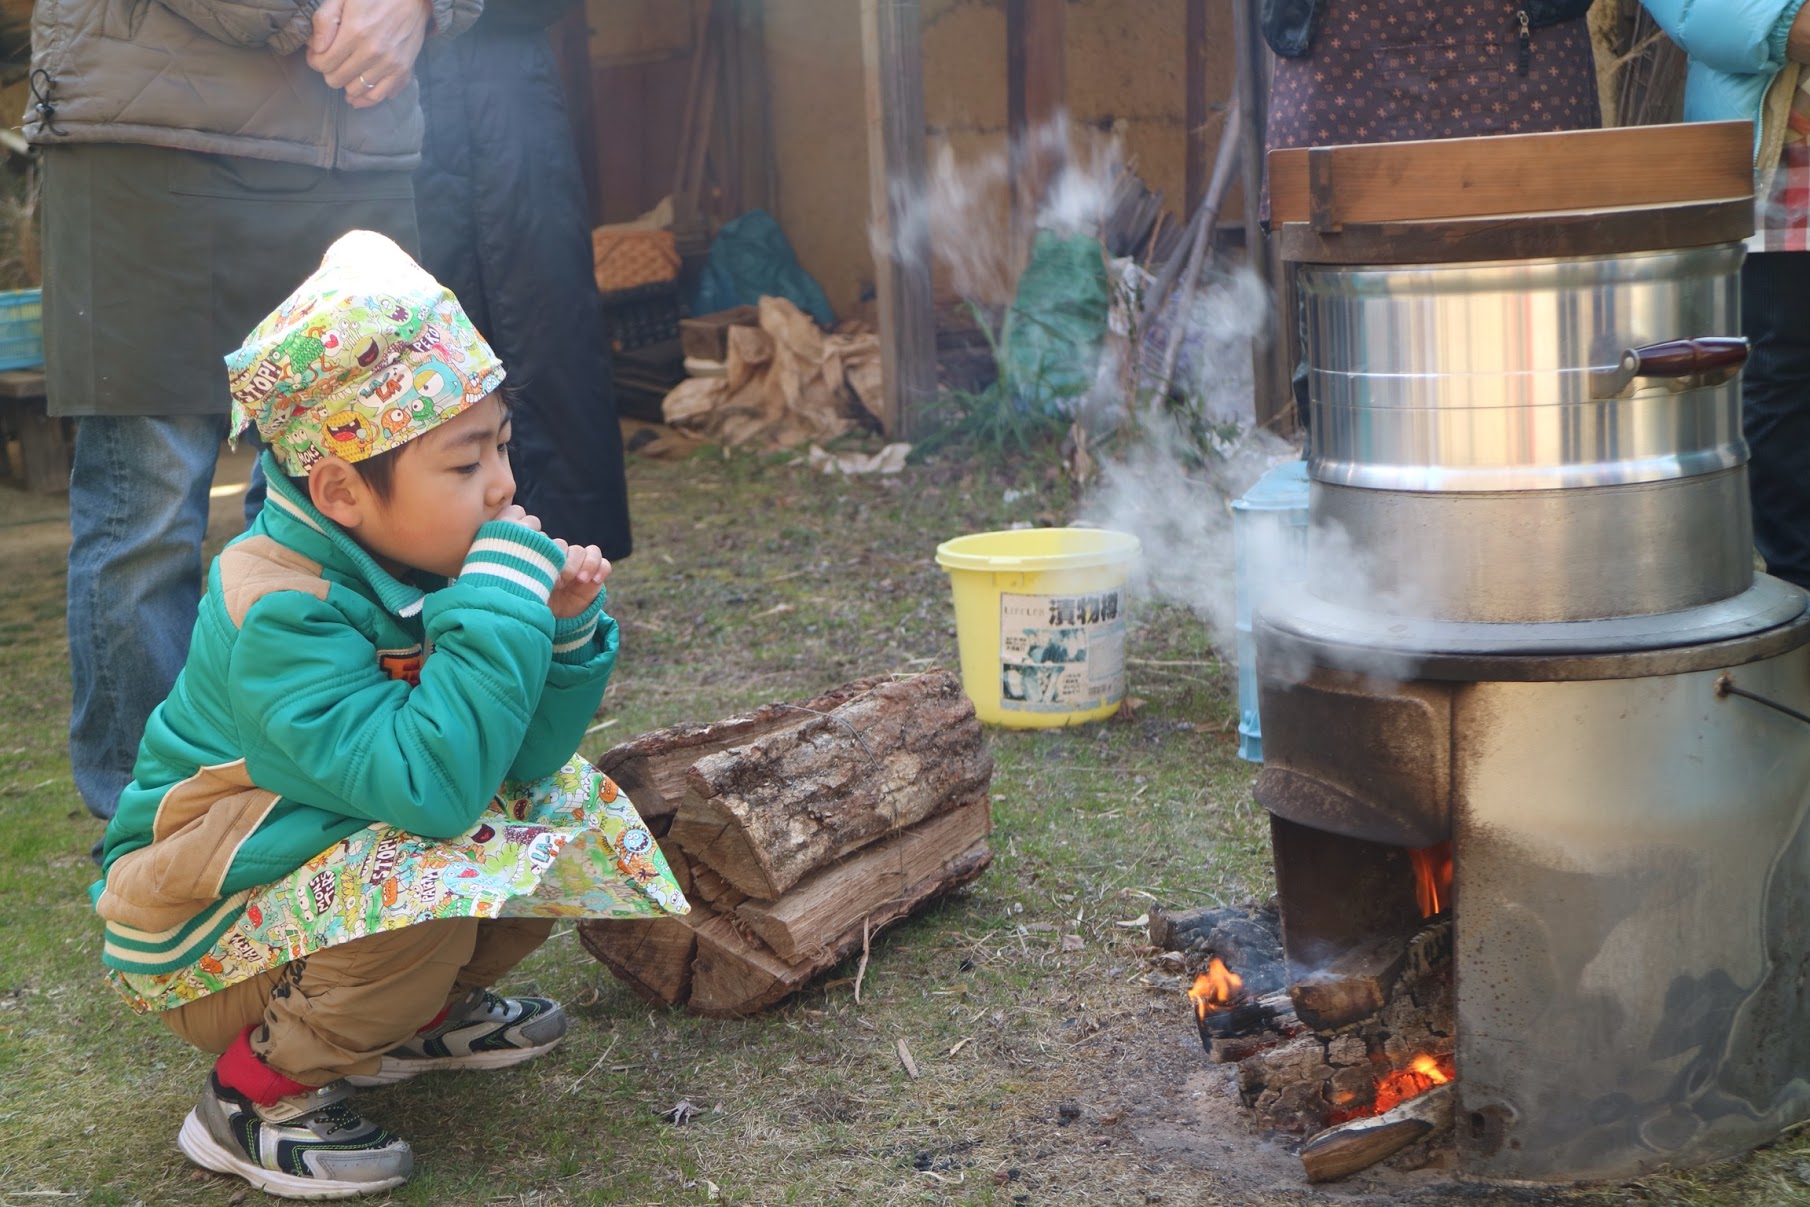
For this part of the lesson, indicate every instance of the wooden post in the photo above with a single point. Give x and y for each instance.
(1272, 360)
(752, 117)
(1036, 93)
(1194, 60)
(571, 39)
(892, 54)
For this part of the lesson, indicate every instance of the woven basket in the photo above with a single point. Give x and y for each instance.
(624, 259)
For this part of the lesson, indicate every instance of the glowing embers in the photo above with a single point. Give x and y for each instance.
(1432, 877)
(1422, 1074)
(1394, 1088)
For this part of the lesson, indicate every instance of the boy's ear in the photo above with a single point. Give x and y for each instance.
(338, 493)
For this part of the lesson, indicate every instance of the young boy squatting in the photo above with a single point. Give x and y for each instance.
(315, 873)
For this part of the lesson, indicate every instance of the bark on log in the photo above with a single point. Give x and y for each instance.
(1272, 1011)
(766, 814)
(651, 768)
(1341, 1151)
(1240, 1047)
(1247, 940)
(878, 883)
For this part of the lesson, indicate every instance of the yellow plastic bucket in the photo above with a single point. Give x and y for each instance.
(1040, 621)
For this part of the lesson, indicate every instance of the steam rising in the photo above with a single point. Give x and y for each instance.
(1161, 488)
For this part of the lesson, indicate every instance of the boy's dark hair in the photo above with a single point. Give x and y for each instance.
(379, 471)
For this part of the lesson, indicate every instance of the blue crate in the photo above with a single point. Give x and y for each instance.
(21, 329)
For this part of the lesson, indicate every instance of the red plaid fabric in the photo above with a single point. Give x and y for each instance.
(1783, 218)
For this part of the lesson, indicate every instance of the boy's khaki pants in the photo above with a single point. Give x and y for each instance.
(335, 1013)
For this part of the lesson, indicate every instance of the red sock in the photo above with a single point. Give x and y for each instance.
(433, 1022)
(239, 1068)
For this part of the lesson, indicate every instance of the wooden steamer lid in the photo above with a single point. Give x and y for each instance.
(1514, 196)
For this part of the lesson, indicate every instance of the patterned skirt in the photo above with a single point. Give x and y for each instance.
(567, 846)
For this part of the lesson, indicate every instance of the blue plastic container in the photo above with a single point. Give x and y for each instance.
(1269, 547)
(21, 329)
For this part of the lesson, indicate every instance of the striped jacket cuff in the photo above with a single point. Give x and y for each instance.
(572, 634)
(514, 557)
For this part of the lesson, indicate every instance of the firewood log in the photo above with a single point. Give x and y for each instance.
(798, 844)
(876, 884)
(765, 814)
(653, 956)
(736, 974)
(714, 891)
(1341, 1151)
(651, 768)
(1356, 984)
(1271, 1012)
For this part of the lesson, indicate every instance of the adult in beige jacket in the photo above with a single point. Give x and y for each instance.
(198, 158)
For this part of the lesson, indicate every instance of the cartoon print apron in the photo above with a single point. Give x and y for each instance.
(567, 846)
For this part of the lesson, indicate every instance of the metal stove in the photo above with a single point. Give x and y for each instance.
(1531, 625)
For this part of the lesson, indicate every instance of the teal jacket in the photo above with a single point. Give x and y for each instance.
(1736, 48)
(321, 695)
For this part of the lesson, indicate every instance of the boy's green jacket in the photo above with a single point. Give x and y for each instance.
(320, 695)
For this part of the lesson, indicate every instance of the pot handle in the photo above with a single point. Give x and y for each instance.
(1689, 364)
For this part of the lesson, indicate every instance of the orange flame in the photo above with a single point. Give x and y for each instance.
(1432, 877)
(1422, 1074)
(1215, 989)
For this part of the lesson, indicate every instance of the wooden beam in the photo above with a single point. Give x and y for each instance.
(892, 54)
(1036, 95)
(752, 115)
(1556, 172)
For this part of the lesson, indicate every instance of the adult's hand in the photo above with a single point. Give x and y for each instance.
(368, 47)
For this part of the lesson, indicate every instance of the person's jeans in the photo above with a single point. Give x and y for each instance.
(138, 498)
(257, 488)
(1775, 408)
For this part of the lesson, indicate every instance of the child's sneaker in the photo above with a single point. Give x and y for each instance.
(484, 1030)
(307, 1146)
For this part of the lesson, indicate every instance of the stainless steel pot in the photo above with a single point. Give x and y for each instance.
(1531, 440)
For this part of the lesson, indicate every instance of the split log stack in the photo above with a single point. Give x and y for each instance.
(798, 831)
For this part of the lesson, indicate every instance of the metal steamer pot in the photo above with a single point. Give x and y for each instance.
(1530, 441)
(1531, 625)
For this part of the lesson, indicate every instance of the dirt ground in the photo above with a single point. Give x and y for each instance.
(1148, 1119)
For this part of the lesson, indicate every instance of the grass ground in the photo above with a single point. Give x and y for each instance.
(1057, 1062)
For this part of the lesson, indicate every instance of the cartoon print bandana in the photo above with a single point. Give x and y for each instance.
(367, 354)
(568, 846)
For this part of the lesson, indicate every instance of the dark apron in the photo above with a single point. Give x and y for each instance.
(158, 262)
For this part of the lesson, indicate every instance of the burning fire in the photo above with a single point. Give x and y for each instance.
(1432, 877)
(1215, 989)
(1396, 1087)
(1422, 1074)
